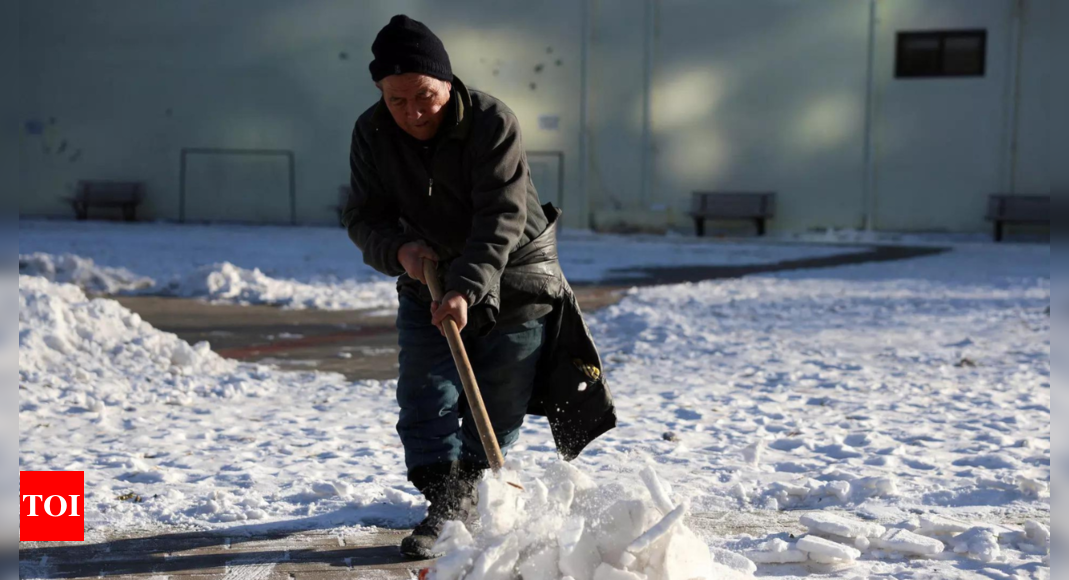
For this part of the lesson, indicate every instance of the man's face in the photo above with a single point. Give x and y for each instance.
(417, 103)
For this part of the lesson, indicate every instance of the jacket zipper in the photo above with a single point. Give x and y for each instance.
(430, 188)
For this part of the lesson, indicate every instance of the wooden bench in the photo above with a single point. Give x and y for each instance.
(343, 200)
(122, 194)
(1017, 209)
(758, 207)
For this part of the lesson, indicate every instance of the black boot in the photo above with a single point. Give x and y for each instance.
(433, 481)
(468, 476)
(450, 489)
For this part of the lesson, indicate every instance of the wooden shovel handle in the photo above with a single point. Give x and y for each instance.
(467, 375)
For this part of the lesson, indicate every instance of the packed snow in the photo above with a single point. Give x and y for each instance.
(912, 397)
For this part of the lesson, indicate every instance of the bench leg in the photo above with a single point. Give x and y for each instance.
(998, 231)
(81, 212)
(129, 213)
(699, 226)
(760, 227)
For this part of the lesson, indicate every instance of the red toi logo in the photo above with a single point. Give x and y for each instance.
(51, 506)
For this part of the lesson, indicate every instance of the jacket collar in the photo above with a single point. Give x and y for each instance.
(461, 100)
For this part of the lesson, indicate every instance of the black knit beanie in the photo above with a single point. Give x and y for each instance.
(408, 46)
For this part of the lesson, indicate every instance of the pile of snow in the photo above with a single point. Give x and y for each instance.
(1037, 536)
(82, 272)
(227, 283)
(218, 283)
(98, 353)
(565, 526)
(169, 433)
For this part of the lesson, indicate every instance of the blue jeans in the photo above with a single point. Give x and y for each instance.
(431, 395)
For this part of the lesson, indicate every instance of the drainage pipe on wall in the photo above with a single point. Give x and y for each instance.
(868, 187)
(1014, 93)
(584, 116)
(647, 103)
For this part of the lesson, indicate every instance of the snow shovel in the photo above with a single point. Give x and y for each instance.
(467, 376)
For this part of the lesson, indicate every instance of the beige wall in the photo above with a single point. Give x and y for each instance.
(121, 86)
(942, 144)
(772, 96)
(743, 95)
(765, 96)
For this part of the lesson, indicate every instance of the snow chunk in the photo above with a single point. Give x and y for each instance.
(785, 492)
(980, 543)
(907, 542)
(732, 560)
(827, 523)
(936, 525)
(685, 557)
(753, 452)
(499, 560)
(607, 572)
(1037, 534)
(827, 549)
(662, 529)
(542, 565)
(657, 490)
(777, 552)
(456, 542)
(838, 489)
(578, 550)
(775, 545)
(879, 486)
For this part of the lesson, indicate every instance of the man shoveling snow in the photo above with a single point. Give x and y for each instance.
(439, 173)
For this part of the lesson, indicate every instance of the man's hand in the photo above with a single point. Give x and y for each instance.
(411, 256)
(453, 305)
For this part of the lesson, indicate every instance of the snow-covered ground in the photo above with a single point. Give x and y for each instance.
(316, 267)
(914, 395)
